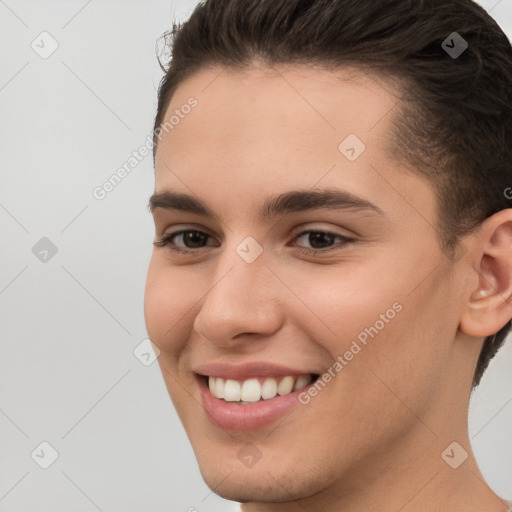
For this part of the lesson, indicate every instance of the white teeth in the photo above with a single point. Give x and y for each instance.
(231, 391)
(218, 388)
(269, 388)
(285, 386)
(252, 390)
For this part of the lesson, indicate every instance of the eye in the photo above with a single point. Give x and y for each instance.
(321, 241)
(192, 239)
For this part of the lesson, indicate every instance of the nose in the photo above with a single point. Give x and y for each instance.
(242, 301)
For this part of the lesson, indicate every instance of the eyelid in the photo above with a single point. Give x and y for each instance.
(334, 230)
(323, 231)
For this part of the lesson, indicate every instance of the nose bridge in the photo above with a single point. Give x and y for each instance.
(241, 298)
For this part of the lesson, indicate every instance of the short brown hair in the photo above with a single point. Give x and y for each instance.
(454, 124)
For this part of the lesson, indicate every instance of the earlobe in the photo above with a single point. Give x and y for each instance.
(489, 305)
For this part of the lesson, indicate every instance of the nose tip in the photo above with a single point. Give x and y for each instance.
(226, 329)
(241, 304)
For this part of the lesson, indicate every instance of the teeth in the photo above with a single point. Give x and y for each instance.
(218, 388)
(285, 386)
(252, 390)
(269, 389)
(231, 391)
(302, 381)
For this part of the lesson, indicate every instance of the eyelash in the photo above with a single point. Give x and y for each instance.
(166, 241)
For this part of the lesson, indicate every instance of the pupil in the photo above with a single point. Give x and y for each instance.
(193, 239)
(317, 237)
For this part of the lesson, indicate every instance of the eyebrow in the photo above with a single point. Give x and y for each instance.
(292, 201)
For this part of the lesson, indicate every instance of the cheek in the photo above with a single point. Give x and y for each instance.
(378, 323)
(408, 359)
(166, 304)
(338, 305)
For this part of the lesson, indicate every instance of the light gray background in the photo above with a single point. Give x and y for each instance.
(69, 326)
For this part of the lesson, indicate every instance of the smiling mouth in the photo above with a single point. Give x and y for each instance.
(256, 389)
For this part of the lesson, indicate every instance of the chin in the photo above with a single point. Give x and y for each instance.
(253, 487)
(266, 482)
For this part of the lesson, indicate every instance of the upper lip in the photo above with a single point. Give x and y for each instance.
(247, 370)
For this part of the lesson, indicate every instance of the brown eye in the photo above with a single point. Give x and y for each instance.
(321, 241)
(193, 239)
(190, 239)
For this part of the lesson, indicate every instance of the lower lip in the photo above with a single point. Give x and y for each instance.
(232, 416)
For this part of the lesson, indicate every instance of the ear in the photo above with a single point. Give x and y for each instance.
(489, 306)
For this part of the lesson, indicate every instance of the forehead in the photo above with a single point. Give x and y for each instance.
(298, 103)
(261, 131)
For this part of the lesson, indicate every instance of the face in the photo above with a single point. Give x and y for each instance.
(300, 254)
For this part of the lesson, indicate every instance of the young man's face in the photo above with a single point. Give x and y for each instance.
(377, 313)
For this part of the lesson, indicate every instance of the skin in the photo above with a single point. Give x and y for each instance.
(372, 439)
